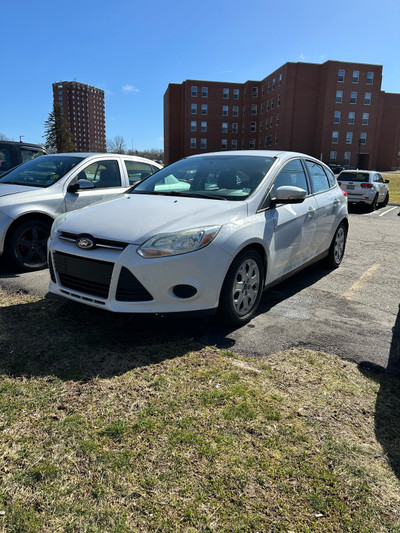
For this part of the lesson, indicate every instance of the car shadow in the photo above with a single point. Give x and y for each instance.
(387, 408)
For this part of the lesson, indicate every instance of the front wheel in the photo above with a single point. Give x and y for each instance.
(27, 245)
(338, 245)
(385, 200)
(242, 288)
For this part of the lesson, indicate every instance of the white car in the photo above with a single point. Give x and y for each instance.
(365, 186)
(228, 225)
(35, 193)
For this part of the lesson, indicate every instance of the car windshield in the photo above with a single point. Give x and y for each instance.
(354, 176)
(41, 172)
(230, 177)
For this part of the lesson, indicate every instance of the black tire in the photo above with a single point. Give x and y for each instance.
(385, 200)
(27, 246)
(372, 207)
(337, 247)
(242, 288)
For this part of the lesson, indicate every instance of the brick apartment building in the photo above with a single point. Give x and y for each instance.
(83, 106)
(335, 111)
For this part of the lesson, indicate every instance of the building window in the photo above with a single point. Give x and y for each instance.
(224, 127)
(356, 76)
(277, 120)
(349, 137)
(272, 103)
(194, 91)
(269, 86)
(254, 92)
(235, 110)
(225, 93)
(363, 138)
(370, 78)
(280, 80)
(204, 127)
(266, 123)
(279, 100)
(271, 121)
(332, 156)
(339, 97)
(367, 99)
(204, 109)
(192, 142)
(353, 97)
(347, 158)
(193, 125)
(335, 137)
(236, 94)
(252, 144)
(254, 109)
(262, 109)
(352, 117)
(273, 84)
(193, 109)
(224, 144)
(341, 73)
(336, 117)
(234, 144)
(253, 126)
(267, 105)
(203, 144)
(276, 138)
(235, 128)
(204, 92)
(225, 110)
(365, 119)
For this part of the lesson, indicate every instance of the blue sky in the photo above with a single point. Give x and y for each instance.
(134, 49)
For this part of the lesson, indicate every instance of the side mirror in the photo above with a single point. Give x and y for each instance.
(387, 181)
(80, 184)
(288, 194)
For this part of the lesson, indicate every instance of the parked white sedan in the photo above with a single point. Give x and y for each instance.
(33, 194)
(208, 232)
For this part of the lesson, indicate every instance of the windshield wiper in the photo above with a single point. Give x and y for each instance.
(181, 193)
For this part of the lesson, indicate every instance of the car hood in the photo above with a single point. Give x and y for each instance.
(8, 188)
(136, 218)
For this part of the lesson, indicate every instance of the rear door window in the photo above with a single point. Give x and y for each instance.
(5, 158)
(137, 170)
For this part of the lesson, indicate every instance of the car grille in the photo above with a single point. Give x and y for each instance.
(93, 277)
(82, 274)
(99, 243)
(130, 289)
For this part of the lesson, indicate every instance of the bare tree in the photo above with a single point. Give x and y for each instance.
(116, 145)
(3, 137)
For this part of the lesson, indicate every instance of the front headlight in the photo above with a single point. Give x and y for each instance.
(58, 221)
(181, 242)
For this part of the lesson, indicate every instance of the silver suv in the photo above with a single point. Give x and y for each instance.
(365, 186)
(36, 192)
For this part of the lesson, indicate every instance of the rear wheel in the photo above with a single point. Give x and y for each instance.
(338, 245)
(27, 245)
(242, 288)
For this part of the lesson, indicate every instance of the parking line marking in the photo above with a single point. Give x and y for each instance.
(388, 211)
(360, 282)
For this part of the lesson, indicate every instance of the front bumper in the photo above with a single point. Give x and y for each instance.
(124, 282)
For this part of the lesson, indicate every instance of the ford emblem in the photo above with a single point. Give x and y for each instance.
(85, 243)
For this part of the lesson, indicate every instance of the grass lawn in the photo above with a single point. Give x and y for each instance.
(109, 426)
(394, 186)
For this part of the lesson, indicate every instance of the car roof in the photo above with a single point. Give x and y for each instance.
(105, 154)
(21, 143)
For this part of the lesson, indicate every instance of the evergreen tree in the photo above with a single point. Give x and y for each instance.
(57, 133)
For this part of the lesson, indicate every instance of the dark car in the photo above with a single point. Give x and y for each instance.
(335, 167)
(14, 153)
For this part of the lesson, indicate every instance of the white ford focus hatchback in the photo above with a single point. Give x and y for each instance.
(207, 233)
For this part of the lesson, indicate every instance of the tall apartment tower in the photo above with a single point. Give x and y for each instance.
(84, 108)
(335, 111)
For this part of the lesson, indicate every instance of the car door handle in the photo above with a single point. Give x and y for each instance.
(310, 212)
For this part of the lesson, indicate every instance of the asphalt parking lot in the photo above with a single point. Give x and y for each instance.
(352, 312)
